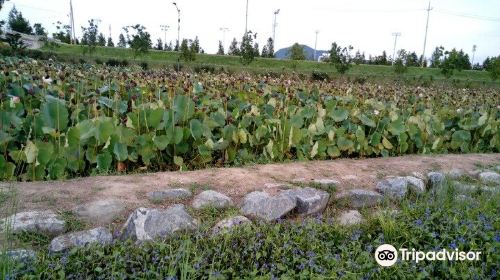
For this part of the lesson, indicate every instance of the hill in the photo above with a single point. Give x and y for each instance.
(283, 53)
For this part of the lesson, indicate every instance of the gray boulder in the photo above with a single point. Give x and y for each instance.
(326, 182)
(309, 200)
(100, 211)
(211, 199)
(21, 255)
(490, 177)
(393, 187)
(351, 217)
(229, 223)
(80, 239)
(358, 198)
(169, 194)
(262, 206)
(455, 174)
(436, 179)
(416, 185)
(34, 221)
(147, 224)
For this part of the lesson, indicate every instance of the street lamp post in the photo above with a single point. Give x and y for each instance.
(246, 20)
(224, 30)
(315, 45)
(396, 35)
(165, 28)
(274, 25)
(178, 26)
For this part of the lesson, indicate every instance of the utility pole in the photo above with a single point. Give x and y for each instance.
(164, 28)
(72, 22)
(224, 30)
(178, 26)
(396, 35)
(274, 25)
(315, 45)
(473, 54)
(110, 31)
(426, 28)
(246, 20)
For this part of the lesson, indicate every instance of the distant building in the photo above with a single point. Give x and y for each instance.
(30, 41)
(324, 57)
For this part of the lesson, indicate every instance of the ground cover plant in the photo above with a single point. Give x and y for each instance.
(60, 120)
(317, 248)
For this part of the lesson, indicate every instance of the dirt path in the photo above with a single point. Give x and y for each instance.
(235, 182)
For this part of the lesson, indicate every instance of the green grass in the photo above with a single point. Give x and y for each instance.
(262, 65)
(311, 249)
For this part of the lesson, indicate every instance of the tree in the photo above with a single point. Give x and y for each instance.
(195, 45)
(220, 51)
(400, 63)
(90, 37)
(169, 46)
(159, 44)
(39, 30)
(411, 59)
(341, 57)
(176, 48)
(1, 3)
(63, 33)
(187, 51)
(139, 40)
(359, 58)
(296, 52)
(18, 23)
(493, 67)
(454, 60)
(122, 43)
(110, 42)
(247, 51)
(269, 48)
(101, 40)
(233, 48)
(436, 57)
(256, 49)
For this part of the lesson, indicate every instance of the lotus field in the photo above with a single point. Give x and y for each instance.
(66, 120)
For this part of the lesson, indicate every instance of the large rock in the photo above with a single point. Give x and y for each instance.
(436, 179)
(351, 217)
(309, 200)
(21, 255)
(455, 174)
(100, 211)
(229, 223)
(34, 221)
(325, 182)
(416, 185)
(358, 198)
(490, 177)
(147, 224)
(262, 206)
(79, 239)
(170, 194)
(211, 199)
(393, 187)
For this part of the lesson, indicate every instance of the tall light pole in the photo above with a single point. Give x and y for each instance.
(473, 54)
(396, 35)
(72, 22)
(246, 20)
(274, 25)
(224, 30)
(426, 28)
(178, 26)
(315, 44)
(164, 28)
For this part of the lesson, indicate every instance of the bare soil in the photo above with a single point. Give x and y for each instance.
(234, 182)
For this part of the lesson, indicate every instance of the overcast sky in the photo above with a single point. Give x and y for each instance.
(365, 24)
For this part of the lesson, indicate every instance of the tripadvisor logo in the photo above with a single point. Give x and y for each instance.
(387, 255)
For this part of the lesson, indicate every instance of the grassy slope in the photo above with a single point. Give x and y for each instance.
(162, 58)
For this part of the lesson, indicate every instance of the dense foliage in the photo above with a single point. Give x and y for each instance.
(60, 120)
(313, 249)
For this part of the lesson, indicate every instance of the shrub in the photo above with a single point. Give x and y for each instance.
(204, 69)
(319, 76)
(144, 65)
(98, 61)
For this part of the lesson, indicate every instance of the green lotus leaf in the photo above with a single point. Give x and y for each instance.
(396, 127)
(120, 151)
(45, 152)
(196, 128)
(366, 121)
(104, 129)
(345, 144)
(183, 108)
(54, 113)
(339, 114)
(57, 169)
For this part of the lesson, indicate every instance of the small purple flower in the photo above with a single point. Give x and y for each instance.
(497, 238)
(419, 222)
(453, 245)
